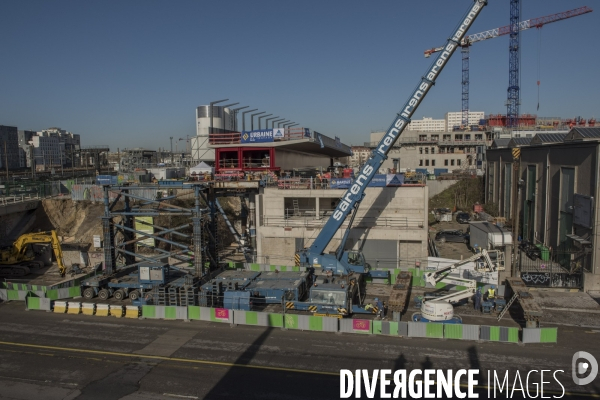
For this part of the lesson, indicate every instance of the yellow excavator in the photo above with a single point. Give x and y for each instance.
(17, 261)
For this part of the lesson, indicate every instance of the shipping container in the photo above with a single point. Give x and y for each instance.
(438, 171)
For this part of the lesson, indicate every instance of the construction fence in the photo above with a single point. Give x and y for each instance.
(301, 322)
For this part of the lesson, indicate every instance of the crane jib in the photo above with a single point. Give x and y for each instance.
(356, 191)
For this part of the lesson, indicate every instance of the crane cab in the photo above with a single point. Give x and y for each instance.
(350, 262)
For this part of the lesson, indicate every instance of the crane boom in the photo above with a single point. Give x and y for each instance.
(355, 194)
(523, 25)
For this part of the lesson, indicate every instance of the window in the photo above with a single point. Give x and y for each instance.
(433, 163)
(426, 150)
(420, 163)
(447, 138)
(442, 150)
(446, 162)
(420, 150)
(452, 162)
(458, 162)
(433, 150)
(427, 163)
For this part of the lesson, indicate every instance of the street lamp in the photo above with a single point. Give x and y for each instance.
(235, 111)
(277, 120)
(244, 118)
(288, 124)
(281, 122)
(267, 121)
(171, 150)
(252, 119)
(262, 116)
(293, 125)
(224, 107)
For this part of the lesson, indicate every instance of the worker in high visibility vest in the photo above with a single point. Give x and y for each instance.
(492, 292)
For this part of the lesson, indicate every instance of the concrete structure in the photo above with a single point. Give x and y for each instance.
(9, 147)
(298, 148)
(390, 227)
(559, 199)
(427, 125)
(431, 150)
(223, 121)
(454, 119)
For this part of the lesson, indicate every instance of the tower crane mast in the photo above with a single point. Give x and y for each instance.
(501, 31)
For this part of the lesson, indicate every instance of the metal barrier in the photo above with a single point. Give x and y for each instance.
(499, 334)
(540, 335)
(38, 303)
(461, 331)
(164, 312)
(356, 326)
(385, 328)
(210, 314)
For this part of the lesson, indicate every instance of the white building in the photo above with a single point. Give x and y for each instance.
(47, 151)
(455, 118)
(360, 155)
(427, 125)
(223, 121)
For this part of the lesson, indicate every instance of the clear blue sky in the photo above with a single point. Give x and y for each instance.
(130, 73)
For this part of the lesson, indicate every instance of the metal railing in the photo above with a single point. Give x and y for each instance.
(4, 201)
(245, 163)
(235, 137)
(312, 221)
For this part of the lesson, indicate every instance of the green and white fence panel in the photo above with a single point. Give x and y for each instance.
(257, 318)
(540, 335)
(425, 329)
(39, 303)
(356, 326)
(64, 293)
(210, 314)
(310, 323)
(461, 331)
(15, 295)
(385, 328)
(164, 312)
(499, 334)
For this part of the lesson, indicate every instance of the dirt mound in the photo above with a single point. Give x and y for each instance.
(76, 221)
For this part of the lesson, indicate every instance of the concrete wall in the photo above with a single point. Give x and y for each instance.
(437, 187)
(394, 218)
(287, 160)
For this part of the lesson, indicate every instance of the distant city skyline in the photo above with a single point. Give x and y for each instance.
(131, 74)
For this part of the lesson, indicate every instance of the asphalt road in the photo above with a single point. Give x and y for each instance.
(59, 356)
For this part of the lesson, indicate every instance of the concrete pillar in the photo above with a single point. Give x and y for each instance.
(317, 207)
(252, 223)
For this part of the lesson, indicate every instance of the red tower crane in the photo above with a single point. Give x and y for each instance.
(493, 33)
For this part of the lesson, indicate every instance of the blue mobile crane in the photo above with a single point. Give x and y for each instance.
(348, 262)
